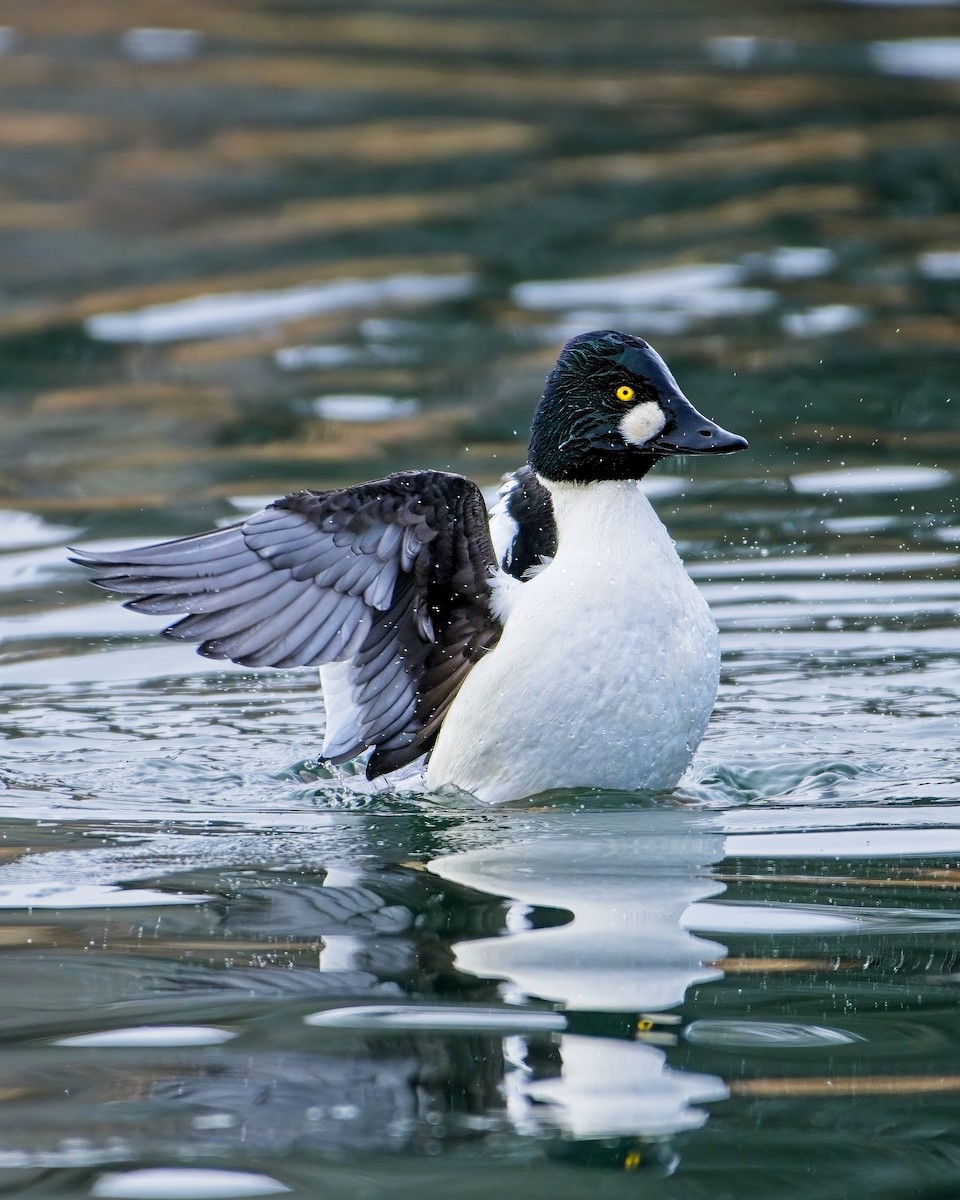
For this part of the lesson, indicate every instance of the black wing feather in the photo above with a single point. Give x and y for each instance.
(392, 578)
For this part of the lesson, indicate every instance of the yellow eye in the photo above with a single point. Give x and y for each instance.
(625, 393)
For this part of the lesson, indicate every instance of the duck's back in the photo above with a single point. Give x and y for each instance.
(607, 668)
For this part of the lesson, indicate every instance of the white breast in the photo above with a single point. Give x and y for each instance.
(607, 669)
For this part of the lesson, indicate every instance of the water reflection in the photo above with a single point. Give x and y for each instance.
(625, 948)
(148, 45)
(627, 890)
(932, 58)
(236, 312)
(174, 1183)
(667, 301)
(560, 944)
(547, 986)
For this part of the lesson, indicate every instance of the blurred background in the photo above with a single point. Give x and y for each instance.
(247, 243)
(248, 246)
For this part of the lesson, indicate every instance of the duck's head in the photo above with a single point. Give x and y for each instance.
(611, 409)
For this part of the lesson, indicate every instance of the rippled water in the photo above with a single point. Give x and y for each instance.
(271, 248)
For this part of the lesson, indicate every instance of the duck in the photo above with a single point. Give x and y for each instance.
(556, 642)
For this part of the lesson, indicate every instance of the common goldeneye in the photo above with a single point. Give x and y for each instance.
(561, 645)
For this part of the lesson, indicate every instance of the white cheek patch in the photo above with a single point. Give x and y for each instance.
(643, 422)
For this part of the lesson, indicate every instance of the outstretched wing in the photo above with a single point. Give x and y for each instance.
(385, 586)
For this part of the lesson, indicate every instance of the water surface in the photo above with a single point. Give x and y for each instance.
(268, 248)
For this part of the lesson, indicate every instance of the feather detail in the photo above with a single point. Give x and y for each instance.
(385, 586)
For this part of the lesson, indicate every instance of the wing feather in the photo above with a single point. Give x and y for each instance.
(389, 542)
(385, 586)
(230, 595)
(276, 636)
(395, 708)
(346, 625)
(342, 738)
(320, 560)
(166, 578)
(212, 545)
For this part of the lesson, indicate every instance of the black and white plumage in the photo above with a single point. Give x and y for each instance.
(396, 591)
(393, 577)
(522, 525)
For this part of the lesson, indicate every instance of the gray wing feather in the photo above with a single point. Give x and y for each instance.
(346, 625)
(328, 555)
(409, 550)
(268, 621)
(213, 546)
(385, 586)
(236, 619)
(236, 590)
(390, 539)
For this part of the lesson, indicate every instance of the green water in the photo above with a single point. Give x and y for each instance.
(306, 245)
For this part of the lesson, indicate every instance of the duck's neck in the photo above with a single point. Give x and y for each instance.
(608, 520)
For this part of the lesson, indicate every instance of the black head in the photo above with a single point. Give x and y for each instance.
(611, 409)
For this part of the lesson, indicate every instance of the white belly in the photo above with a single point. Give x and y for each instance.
(606, 672)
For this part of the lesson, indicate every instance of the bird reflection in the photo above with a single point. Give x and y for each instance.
(624, 950)
(525, 990)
